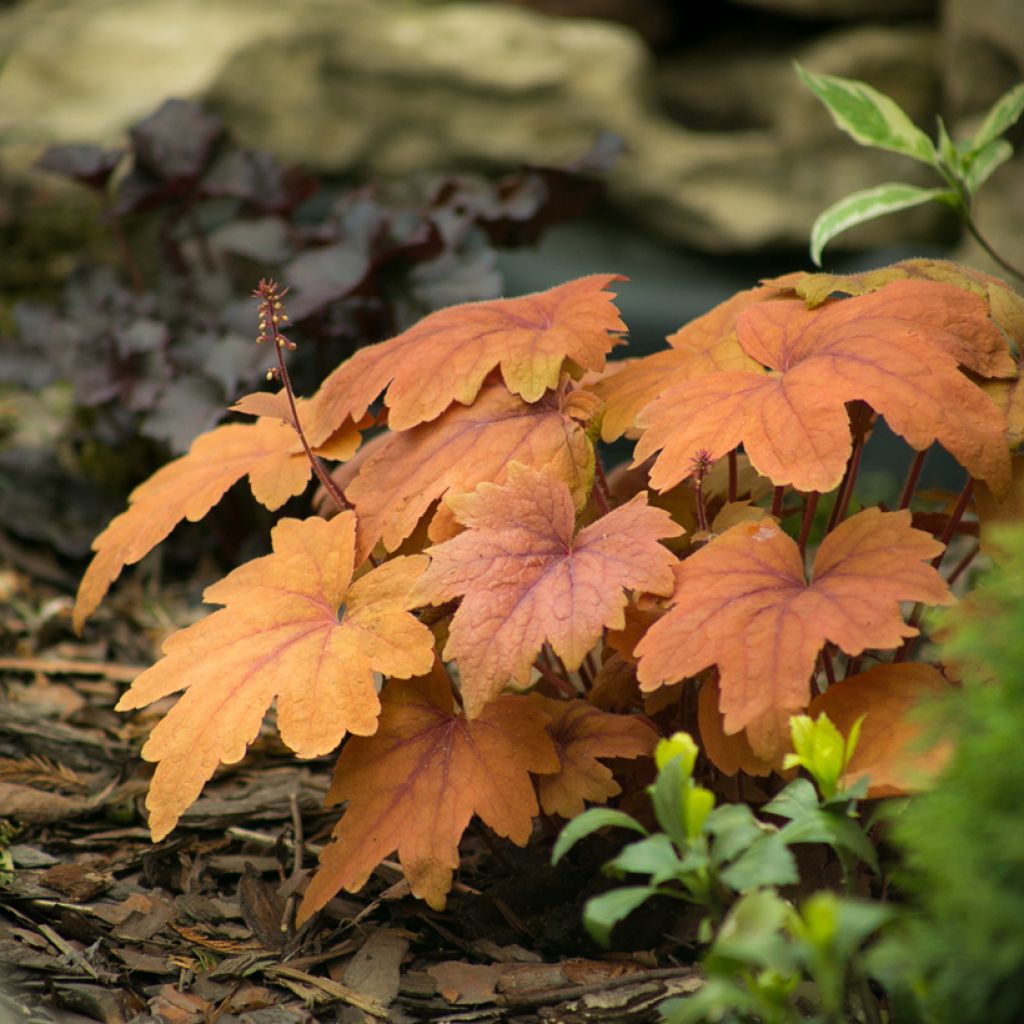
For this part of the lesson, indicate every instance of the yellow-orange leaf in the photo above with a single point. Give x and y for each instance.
(582, 734)
(743, 603)
(525, 577)
(1006, 307)
(414, 786)
(890, 750)
(446, 356)
(294, 628)
(267, 451)
(411, 470)
(897, 349)
(705, 345)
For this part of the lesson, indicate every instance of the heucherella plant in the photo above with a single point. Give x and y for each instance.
(874, 119)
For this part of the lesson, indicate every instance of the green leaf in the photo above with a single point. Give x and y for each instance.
(796, 799)
(818, 826)
(588, 822)
(604, 912)
(868, 116)
(984, 161)
(654, 856)
(1004, 113)
(868, 204)
(667, 799)
(735, 828)
(718, 999)
(751, 933)
(949, 153)
(766, 862)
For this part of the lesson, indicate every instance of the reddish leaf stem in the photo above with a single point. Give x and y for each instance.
(601, 491)
(127, 256)
(810, 505)
(963, 564)
(913, 475)
(826, 664)
(777, 497)
(544, 667)
(947, 535)
(734, 475)
(845, 492)
(271, 316)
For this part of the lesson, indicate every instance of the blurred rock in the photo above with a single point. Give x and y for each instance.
(725, 149)
(983, 54)
(837, 10)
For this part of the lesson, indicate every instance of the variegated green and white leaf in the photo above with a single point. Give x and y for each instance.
(868, 204)
(985, 161)
(1004, 113)
(869, 116)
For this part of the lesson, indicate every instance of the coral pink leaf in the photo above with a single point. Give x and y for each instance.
(525, 577)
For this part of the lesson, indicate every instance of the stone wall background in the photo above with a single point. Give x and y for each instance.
(725, 151)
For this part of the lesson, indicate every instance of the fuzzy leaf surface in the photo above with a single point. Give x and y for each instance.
(743, 603)
(414, 786)
(887, 750)
(897, 349)
(294, 629)
(446, 357)
(582, 734)
(525, 577)
(267, 451)
(465, 446)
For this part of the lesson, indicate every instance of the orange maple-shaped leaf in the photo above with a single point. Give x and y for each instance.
(446, 356)
(897, 349)
(743, 603)
(891, 750)
(415, 784)
(267, 451)
(412, 469)
(525, 577)
(294, 628)
(705, 345)
(582, 733)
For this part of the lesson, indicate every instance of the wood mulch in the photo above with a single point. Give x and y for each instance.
(97, 923)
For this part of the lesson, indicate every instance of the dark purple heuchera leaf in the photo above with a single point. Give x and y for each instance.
(257, 178)
(171, 149)
(89, 165)
(177, 141)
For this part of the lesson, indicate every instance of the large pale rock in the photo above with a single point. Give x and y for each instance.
(846, 9)
(387, 87)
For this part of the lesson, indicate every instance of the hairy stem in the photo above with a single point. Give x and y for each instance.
(947, 535)
(810, 505)
(272, 315)
(963, 564)
(845, 492)
(913, 475)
